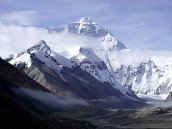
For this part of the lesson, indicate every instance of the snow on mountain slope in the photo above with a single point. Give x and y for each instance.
(90, 62)
(23, 58)
(147, 76)
(42, 52)
(146, 79)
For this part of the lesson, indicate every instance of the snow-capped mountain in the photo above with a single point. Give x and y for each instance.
(86, 60)
(42, 52)
(86, 27)
(102, 61)
(87, 78)
(146, 79)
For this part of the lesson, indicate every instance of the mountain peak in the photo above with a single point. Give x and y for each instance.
(40, 46)
(87, 27)
(87, 20)
(41, 42)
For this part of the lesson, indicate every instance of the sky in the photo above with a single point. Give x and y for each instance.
(139, 24)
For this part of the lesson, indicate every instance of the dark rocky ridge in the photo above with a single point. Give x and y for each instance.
(15, 116)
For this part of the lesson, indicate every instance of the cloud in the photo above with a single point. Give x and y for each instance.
(140, 24)
(19, 18)
(48, 98)
(136, 56)
(15, 39)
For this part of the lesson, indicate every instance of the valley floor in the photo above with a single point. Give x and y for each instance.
(159, 118)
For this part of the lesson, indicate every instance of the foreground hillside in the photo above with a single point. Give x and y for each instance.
(18, 110)
(14, 117)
